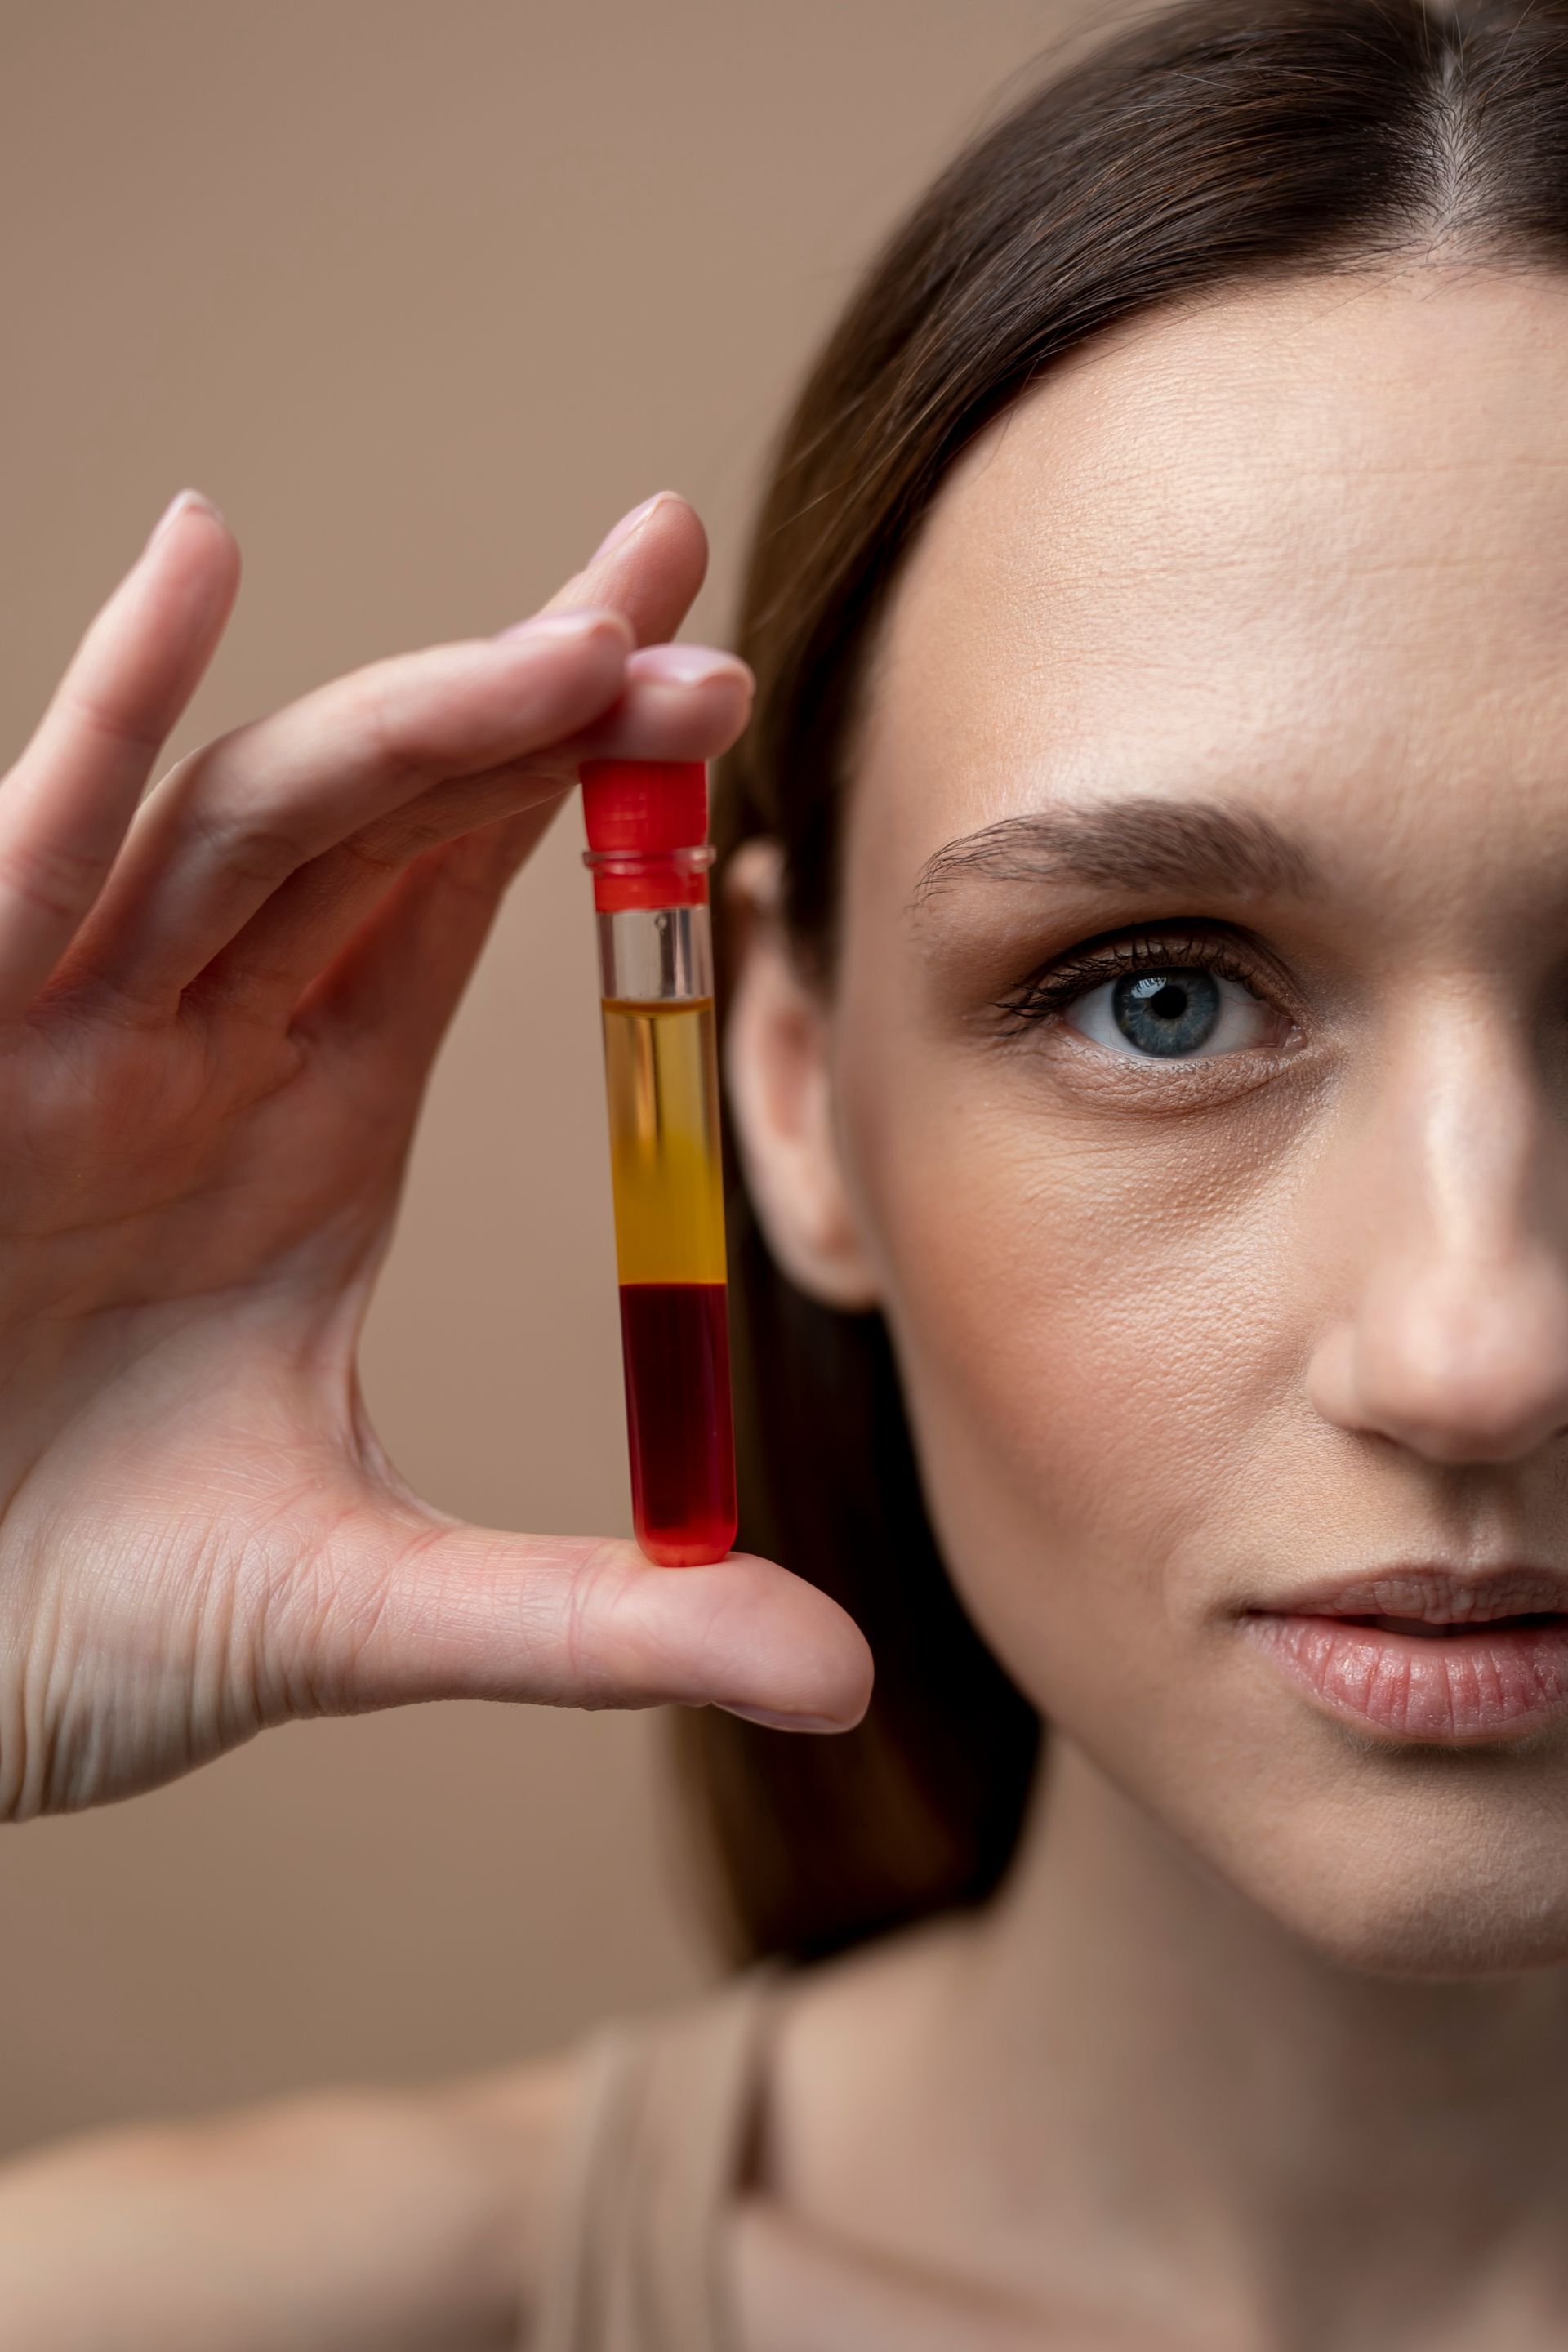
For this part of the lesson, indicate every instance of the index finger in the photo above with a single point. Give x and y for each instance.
(648, 569)
(65, 805)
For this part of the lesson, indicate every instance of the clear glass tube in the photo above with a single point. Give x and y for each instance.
(662, 1086)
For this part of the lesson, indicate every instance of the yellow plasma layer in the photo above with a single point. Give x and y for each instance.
(661, 1075)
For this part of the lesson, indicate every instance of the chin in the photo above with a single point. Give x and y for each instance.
(1426, 1901)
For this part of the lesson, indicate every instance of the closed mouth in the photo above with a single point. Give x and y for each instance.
(1430, 1654)
(1426, 1629)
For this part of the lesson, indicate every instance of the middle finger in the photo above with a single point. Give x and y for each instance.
(232, 823)
(679, 703)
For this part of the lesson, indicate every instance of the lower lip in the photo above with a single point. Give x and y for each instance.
(1483, 1684)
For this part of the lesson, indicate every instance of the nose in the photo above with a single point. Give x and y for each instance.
(1451, 1215)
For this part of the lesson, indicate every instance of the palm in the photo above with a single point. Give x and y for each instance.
(187, 1231)
(208, 1080)
(145, 1166)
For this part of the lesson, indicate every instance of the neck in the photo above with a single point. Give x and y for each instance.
(1307, 2152)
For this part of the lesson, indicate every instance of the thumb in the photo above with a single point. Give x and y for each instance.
(413, 1606)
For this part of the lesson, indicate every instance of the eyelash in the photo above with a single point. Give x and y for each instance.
(1045, 994)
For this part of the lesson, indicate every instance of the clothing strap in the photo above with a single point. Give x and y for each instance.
(652, 2157)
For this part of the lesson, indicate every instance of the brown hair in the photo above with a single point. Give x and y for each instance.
(1211, 143)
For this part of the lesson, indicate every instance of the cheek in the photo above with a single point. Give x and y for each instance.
(1099, 1359)
(1103, 1328)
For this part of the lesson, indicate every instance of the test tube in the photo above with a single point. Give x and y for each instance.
(647, 850)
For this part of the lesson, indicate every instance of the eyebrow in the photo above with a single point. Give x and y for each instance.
(1143, 844)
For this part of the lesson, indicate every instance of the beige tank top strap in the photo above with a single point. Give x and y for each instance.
(652, 2158)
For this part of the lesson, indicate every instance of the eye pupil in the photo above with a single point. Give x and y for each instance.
(1168, 1000)
(1166, 1011)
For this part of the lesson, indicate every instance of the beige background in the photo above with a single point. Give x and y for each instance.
(423, 292)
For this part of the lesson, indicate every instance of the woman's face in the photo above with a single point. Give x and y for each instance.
(1197, 1083)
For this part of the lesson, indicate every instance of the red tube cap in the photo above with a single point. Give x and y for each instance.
(644, 805)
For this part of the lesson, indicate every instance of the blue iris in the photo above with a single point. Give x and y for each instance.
(1166, 1011)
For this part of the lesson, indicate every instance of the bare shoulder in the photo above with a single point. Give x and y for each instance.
(840, 2052)
(518, 2122)
(345, 2216)
(816, 2265)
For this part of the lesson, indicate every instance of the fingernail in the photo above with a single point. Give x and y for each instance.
(563, 628)
(629, 523)
(183, 504)
(785, 1722)
(688, 665)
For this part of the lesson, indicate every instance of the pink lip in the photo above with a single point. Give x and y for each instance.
(1465, 1673)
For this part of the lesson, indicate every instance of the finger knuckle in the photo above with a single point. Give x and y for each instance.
(93, 714)
(377, 857)
(51, 879)
(380, 711)
(250, 842)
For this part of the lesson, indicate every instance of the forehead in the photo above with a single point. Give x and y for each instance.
(1282, 545)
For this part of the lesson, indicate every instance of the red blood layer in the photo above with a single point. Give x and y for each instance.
(675, 1346)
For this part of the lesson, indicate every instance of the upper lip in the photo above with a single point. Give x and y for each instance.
(1430, 1591)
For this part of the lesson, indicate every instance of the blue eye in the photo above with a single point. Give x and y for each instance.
(1147, 996)
(1179, 1013)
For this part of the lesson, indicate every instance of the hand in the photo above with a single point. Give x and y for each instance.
(217, 1013)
